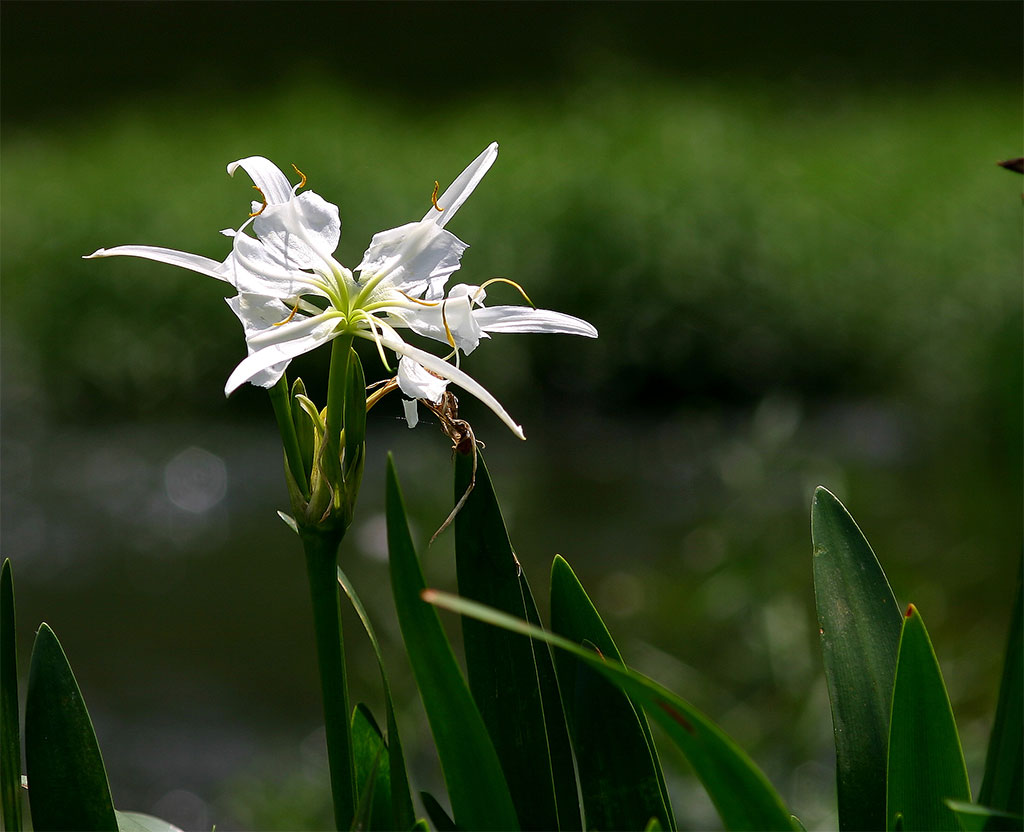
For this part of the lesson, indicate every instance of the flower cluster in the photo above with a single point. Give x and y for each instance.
(293, 295)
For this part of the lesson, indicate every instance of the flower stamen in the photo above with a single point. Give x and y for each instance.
(290, 314)
(433, 196)
(522, 291)
(416, 300)
(263, 207)
(302, 184)
(447, 330)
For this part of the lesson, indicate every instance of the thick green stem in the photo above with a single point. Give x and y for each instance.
(279, 398)
(322, 567)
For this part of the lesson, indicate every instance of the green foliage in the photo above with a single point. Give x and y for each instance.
(1003, 785)
(742, 794)
(859, 623)
(10, 728)
(442, 822)
(523, 714)
(68, 783)
(975, 818)
(373, 778)
(926, 762)
(619, 770)
(402, 816)
(139, 822)
(476, 786)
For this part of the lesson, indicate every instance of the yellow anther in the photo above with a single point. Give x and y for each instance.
(263, 206)
(290, 315)
(302, 184)
(433, 196)
(522, 291)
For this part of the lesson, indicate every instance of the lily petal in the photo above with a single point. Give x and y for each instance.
(259, 312)
(193, 262)
(266, 176)
(525, 319)
(417, 383)
(266, 357)
(412, 257)
(458, 192)
(303, 232)
(412, 412)
(453, 374)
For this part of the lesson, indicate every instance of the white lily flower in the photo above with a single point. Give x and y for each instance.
(293, 295)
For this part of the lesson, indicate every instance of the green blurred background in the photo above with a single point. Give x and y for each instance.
(785, 220)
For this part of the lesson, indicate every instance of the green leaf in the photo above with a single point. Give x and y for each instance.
(10, 728)
(138, 822)
(303, 427)
(476, 786)
(619, 771)
(563, 769)
(69, 787)
(355, 423)
(975, 818)
(1003, 785)
(402, 812)
(742, 794)
(442, 823)
(502, 667)
(926, 762)
(859, 622)
(373, 780)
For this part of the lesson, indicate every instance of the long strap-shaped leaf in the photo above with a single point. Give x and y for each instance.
(10, 741)
(926, 762)
(742, 794)
(402, 812)
(619, 770)
(373, 778)
(1003, 786)
(68, 783)
(476, 786)
(859, 622)
(502, 667)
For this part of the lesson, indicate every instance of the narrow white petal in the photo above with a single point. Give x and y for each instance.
(266, 176)
(193, 262)
(412, 412)
(458, 192)
(267, 357)
(525, 319)
(453, 374)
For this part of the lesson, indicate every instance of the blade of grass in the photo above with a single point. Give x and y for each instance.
(975, 818)
(373, 780)
(10, 727)
(442, 823)
(926, 762)
(501, 666)
(742, 794)
(562, 766)
(401, 798)
(69, 788)
(138, 822)
(476, 786)
(619, 770)
(1003, 785)
(859, 623)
